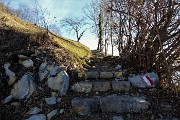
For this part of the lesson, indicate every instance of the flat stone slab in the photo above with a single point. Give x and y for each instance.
(123, 104)
(106, 75)
(117, 118)
(101, 86)
(84, 106)
(121, 86)
(92, 74)
(82, 87)
(111, 103)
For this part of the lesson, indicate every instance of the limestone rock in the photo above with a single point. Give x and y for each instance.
(122, 104)
(121, 86)
(38, 117)
(137, 81)
(24, 87)
(82, 87)
(7, 99)
(84, 106)
(26, 63)
(101, 86)
(92, 74)
(51, 114)
(106, 75)
(51, 100)
(60, 82)
(34, 110)
(117, 118)
(10, 74)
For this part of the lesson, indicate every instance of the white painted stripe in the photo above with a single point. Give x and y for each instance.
(146, 80)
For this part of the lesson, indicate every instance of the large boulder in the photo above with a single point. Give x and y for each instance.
(24, 87)
(123, 104)
(60, 82)
(84, 106)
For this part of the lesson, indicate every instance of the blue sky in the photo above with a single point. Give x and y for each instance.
(63, 8)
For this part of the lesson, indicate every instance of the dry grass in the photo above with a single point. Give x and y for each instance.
(75, 49)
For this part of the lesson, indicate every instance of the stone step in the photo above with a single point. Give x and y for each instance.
(101, 86)
(111, 103)
(100, 75)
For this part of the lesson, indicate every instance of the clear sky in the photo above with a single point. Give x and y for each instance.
(62, 9)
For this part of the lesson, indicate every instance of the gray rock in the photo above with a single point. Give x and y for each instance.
(137, 81)
(51, 100)
(43, 74)
(51, 114)
(26, 63)
(16, 104)
(60, 82)
(122, 104)
(82, 87)
(101, 86)
(92, 74)
(84, 106)
(23, 57)
(118, 67)
(59, 100)
(106, 75)
(54, 69)
(10, 74)
(146, 80)
(104, 68)
(117, 118)
(61, 111)
(34, 110)
(120, 86)
(8, 99)
(121, 78)
(24, 87)
(38, 117)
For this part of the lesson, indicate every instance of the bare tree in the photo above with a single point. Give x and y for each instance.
(54, 28)
(75, 25)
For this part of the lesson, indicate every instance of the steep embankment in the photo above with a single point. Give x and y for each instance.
(18, 36)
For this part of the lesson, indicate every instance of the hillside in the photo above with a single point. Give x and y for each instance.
(18, 35)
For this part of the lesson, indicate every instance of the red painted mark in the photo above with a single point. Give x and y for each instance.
(149, 79)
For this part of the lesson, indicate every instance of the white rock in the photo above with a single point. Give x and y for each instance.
(22, 57)
(26, 63)
(60, 82)
(7, 99)
(61, 111)
(24, 87)
(51, 100)
(10, 74)
(51, 114)
(38, 117)
(34, 110)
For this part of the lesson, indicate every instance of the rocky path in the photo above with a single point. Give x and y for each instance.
(41, 90)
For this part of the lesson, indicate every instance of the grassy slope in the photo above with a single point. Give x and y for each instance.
(76, 49)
